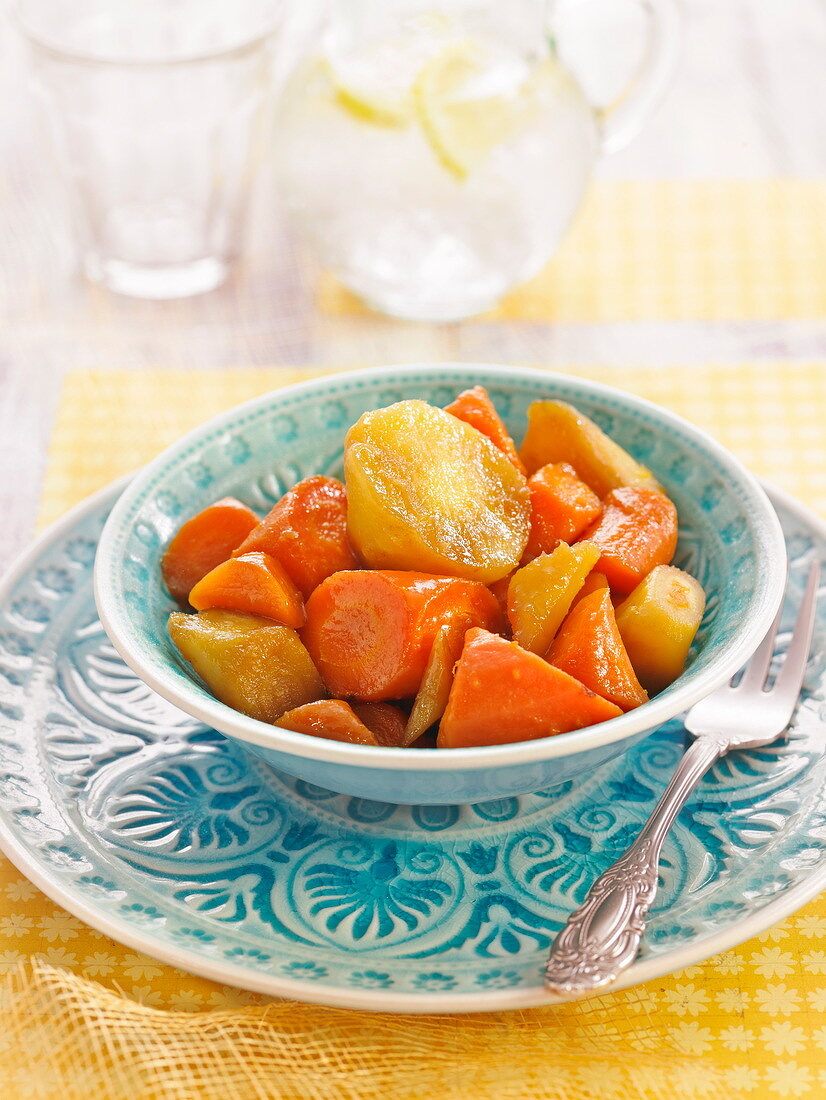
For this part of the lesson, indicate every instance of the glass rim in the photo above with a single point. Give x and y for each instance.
(62, 53)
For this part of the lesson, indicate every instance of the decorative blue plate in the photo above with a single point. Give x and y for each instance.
(172, 839)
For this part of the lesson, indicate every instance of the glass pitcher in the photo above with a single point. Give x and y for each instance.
(434, 153)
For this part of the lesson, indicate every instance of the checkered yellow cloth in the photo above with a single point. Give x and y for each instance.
(708, 250)
(84, 1017)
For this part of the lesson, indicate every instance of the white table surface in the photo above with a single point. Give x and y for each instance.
(749, 100)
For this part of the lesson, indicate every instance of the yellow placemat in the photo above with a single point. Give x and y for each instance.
(675, 250)
(89, 1018)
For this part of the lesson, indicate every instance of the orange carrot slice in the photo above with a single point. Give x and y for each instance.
(203, 542)
(594, 582)
(332, 719)
(254, 583)
(307, 532)
(502, 693)
(371, 630)
(562, 506)
(588, 647)
(476, 408)
(636, 532)
(386, 722)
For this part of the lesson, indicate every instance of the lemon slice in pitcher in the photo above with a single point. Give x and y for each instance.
(469, 99)
(374, 83)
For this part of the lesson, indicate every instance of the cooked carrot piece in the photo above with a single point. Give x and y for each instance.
(255, 583)
(330, 718)
(562, 506)
(588, 647)
(307, 532)
(386, 722)
(204, 542)
(503, 693)
(594, 582)
(636, 532)
(358, 723)
(541, 593)
(476, 408)
(557, 432)
(431, 700)
(371, 630)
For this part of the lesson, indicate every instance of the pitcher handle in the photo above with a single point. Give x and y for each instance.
(621, 121)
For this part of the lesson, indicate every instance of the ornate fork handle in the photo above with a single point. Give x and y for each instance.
(601, 938)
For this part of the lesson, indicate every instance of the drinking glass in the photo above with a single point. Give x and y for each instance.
(434, 151)
(155, 108)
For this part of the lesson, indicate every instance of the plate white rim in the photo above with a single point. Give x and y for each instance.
(381, 1000)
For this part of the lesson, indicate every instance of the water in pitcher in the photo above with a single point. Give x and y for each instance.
(432, 169)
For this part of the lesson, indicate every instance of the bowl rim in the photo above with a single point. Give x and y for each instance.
(649, 716)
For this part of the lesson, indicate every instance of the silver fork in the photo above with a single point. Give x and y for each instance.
(601, 937)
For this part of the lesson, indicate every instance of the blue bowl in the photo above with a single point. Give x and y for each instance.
(730, 540)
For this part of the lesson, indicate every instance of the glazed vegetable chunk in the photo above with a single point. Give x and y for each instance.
(428, 492)
(386, 722)
(540, 593)
(332, 719)
(407, 585)
(204, 542)
(636, 532)
(370, 632)
(588, 647)
(307, 532)
(476, 408)
(431, 700)
(254, 665)
(502, 693)
(252, 583)
(557, 432)
(336, 720)
(658, 622)
(562, 507)
(592, 583)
